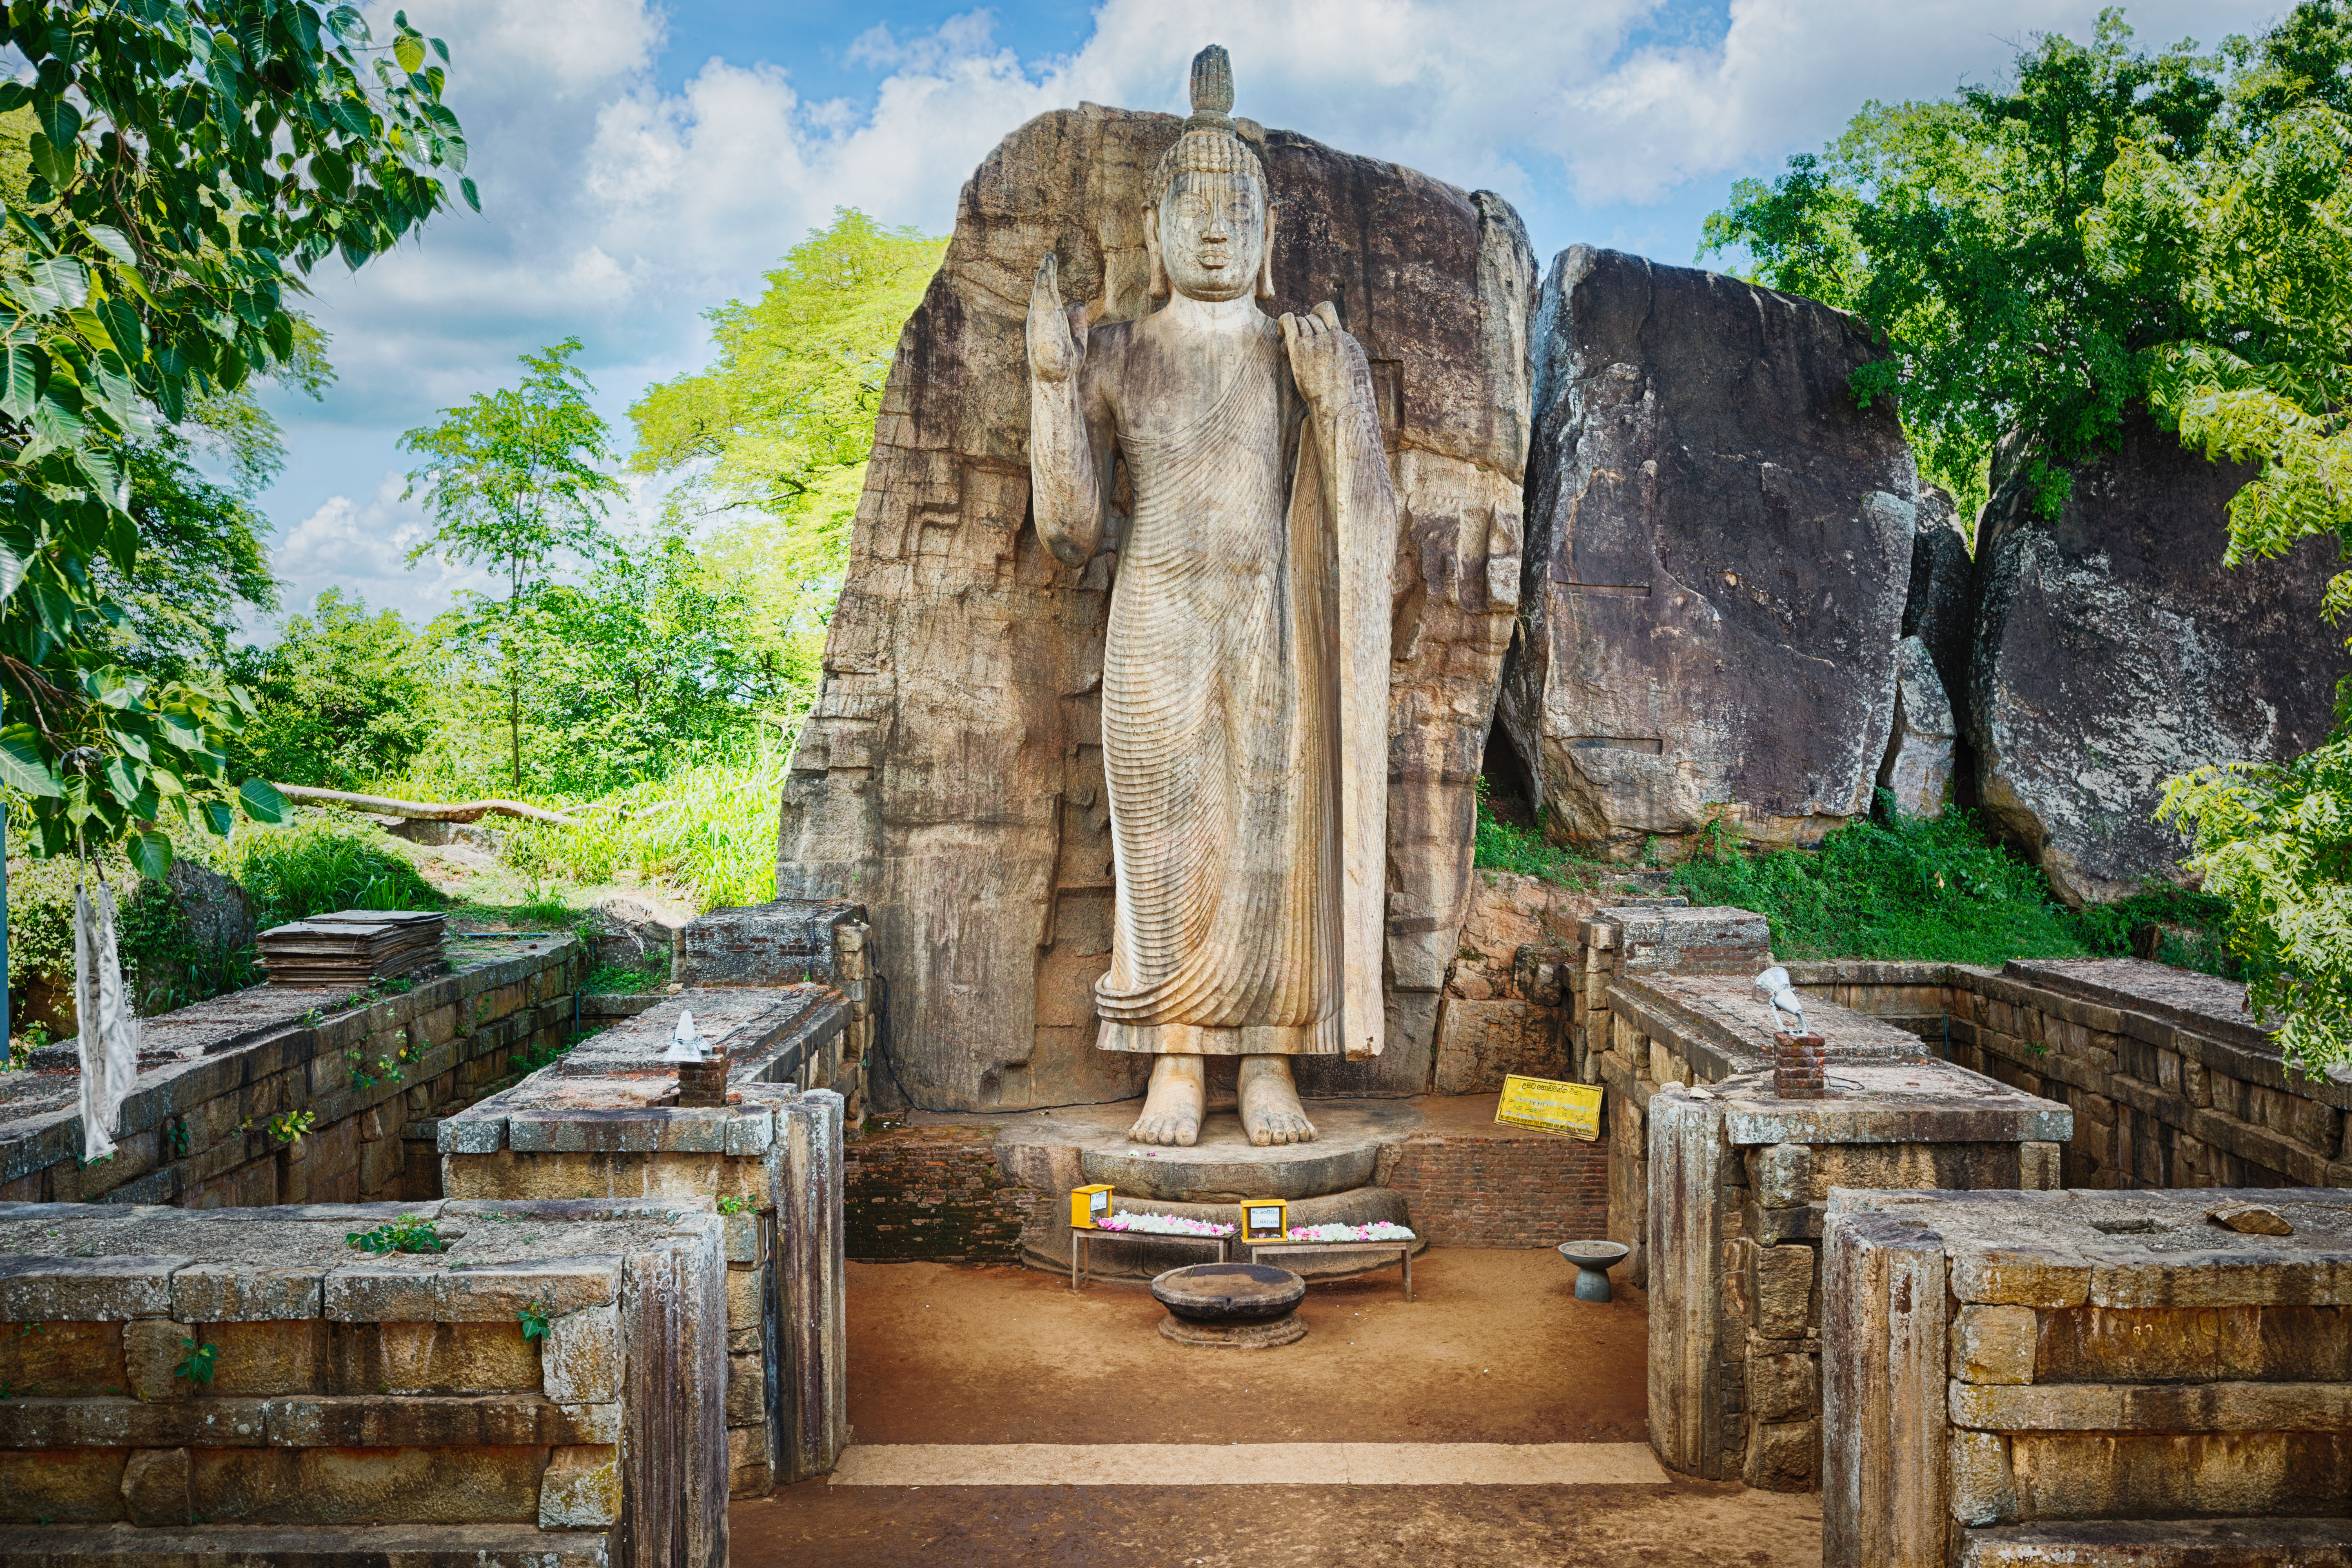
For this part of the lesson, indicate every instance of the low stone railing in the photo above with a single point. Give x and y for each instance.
(181, 1383)
(2172, 1082)
(604, 1123)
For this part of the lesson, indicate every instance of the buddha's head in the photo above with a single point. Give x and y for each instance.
(1210, 226)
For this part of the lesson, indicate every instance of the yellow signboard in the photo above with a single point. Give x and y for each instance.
(1549, 1106)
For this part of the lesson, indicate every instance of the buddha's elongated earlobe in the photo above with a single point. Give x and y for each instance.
(1159, 287)
(1266, 258)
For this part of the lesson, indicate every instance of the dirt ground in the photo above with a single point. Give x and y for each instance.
(1494, 1349)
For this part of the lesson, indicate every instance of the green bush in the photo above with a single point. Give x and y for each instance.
(321, 862)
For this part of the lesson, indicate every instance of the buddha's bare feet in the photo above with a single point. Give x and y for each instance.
(1171, 1109)
(1270, 1110)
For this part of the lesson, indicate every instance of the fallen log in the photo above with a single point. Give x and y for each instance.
(423, 811)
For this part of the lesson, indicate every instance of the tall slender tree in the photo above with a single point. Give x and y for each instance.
(515, 481)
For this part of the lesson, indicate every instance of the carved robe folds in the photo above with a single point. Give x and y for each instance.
(1244, 715)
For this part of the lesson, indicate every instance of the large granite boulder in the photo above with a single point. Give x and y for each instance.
(950, 777)
(2114, 649)
(1718, 557)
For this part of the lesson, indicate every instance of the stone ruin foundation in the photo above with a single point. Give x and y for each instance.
(362, 1406)
(358, 1408)
(2097, 1379)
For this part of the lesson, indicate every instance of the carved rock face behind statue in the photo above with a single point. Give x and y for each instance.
(1246, 664)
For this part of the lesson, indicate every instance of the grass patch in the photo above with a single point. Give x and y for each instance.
(627, 980)
(1900, 887)
(319, 863)
(709, 828)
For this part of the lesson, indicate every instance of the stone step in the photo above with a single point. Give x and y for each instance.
(2163, 1543)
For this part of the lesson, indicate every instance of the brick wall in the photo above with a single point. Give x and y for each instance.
(1532, 1190)
(932, 1193)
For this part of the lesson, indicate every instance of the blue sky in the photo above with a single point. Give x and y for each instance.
(641, 162)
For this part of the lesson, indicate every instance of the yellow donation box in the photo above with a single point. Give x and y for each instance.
(1265, 1220)
(1088, 1205)
(1549, 1106)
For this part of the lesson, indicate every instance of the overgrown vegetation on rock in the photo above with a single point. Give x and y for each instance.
(1896, 887)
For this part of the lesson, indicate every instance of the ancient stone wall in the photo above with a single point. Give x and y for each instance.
(950, 776)
(1718, 556)
(604, 1123)
(2172, 1083)
(372, 1078)
(933, 1193)
(2091, 1378)
(1500, 1186)
(185, 1384)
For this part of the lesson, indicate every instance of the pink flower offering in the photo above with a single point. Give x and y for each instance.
(1145, 1224)
(1379, 1230)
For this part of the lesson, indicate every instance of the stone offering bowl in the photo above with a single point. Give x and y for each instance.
(1592, 1259)
(1238, 1306)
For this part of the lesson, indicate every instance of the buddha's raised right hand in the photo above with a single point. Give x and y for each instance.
(1058, 338)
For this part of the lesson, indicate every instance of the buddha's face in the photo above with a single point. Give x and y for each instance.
(1212, 235)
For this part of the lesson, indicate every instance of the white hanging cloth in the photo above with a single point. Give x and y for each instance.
(110, 1034)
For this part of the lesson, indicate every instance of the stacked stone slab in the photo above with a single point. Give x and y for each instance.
(1740, 1182)
(605, 1122)
(245, 1384)
(372, 1074)
(796, 942)
(2114, 649)
(2102, 1379)
(1720, 548)
(951, 774)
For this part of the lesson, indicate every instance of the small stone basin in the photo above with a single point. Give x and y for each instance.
(1238, 1306)
(1592, 1259)
(1229, 1292)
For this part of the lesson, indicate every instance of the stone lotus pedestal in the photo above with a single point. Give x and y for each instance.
(1336, 1180)
(1231, 1306)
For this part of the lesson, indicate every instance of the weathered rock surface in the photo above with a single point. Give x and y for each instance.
(630, 930)
(950, 777)
(1918, 767)
(1719, 549)
(1504, 1011)
(2114, 649)
(1941, 607)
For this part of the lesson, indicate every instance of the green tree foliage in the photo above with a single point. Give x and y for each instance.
(770, 441)
(191, 161)
(2044, 253)
(341, 699)
(515, 481)
(2277, 841)
(2112, 227)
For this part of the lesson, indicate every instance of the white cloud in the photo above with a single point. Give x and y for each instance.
(362, 547)
(619, 211)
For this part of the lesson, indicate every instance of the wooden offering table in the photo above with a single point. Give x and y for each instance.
(1403, 1249)
(1082, 1235)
